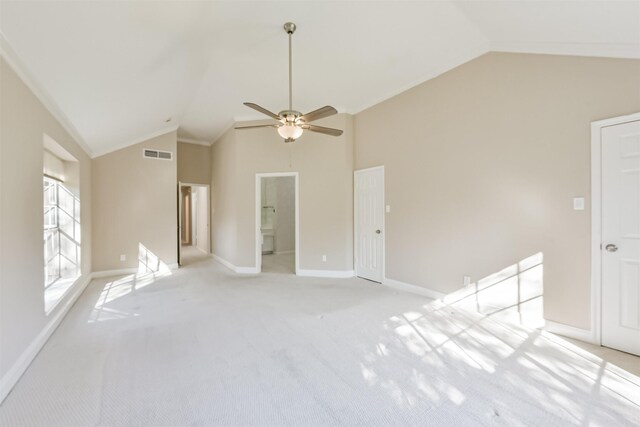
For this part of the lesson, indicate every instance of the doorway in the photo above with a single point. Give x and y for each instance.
(616, 233)
(194, 238)
(369, 213)
(277, 223)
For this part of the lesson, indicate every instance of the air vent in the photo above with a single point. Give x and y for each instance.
(156, 154)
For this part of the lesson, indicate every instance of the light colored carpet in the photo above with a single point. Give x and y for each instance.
(205, 346)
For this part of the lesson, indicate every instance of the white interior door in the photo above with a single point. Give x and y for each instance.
(621, 237)
(369, 223)
(178, 249)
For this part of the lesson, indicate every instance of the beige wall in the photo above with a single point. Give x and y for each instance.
(223, 197)
(53, 165)
(482, 164)
(137, 204)
(23, 122)
(285, 224)
(194, 163)
(325, 167)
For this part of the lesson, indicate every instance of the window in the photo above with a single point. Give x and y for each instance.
(61, 209)
(61, 232)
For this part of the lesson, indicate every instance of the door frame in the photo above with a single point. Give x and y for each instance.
(190, 184)
(384, 223)
(258, 216)
(596, 219)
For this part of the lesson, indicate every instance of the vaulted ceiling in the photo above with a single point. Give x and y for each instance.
(114, 72)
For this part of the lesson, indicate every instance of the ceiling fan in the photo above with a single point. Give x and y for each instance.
(291, 123)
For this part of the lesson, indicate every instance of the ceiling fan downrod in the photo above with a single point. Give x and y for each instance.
(290, 123)
(290, 28)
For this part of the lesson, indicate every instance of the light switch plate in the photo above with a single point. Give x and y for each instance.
(578, 203)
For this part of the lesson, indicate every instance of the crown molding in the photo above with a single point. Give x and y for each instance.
(138, 140)
(606, 50)
(194, 141)
(16, 64)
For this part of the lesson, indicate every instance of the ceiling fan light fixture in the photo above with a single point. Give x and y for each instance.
(292, 123)
(290, 131)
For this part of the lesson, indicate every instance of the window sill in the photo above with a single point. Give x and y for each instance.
(56, 292)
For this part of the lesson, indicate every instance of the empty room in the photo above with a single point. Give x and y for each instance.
(320, 213)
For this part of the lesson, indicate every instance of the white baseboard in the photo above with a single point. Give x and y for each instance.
(337, 274)
(224, 262)
(111, 273)
(569, 331)
(10, 379)
(124, 271)
(234, 268)
(402, 286)
(284, 252)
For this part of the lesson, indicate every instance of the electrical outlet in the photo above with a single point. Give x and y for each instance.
(123, 257)
(467, 280)
(324, 258)
(388, 208)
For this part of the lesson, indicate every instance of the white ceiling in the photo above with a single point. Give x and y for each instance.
(114, 71)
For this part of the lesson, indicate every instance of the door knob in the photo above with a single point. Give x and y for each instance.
(378, 231)
(611, 247)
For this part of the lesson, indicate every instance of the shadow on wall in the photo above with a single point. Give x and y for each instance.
(150, 269)
(514, 294)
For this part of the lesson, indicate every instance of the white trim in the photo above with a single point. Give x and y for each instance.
(124, 271)
(194, 141)
(10, 379)
(179, 220)
(16, 64)
(596, 219)
(258, 216)
(384, 222)
(337, 274)
(224, 262)
(234, 268)
(407, 287)
(208, 187)
(135, 141)
(607, 50)
(284, 252)
(111, 273)
(569, 331)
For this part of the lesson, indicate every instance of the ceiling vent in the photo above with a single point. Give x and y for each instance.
(156, 154)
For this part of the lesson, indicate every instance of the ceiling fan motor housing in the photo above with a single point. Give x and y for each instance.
(290, 116)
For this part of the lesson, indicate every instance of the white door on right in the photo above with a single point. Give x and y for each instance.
(369, 221)
(621, 237)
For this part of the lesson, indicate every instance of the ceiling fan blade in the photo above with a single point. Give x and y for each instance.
(322, 129)
(258, 126)
(318, 114)
(262, 110)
